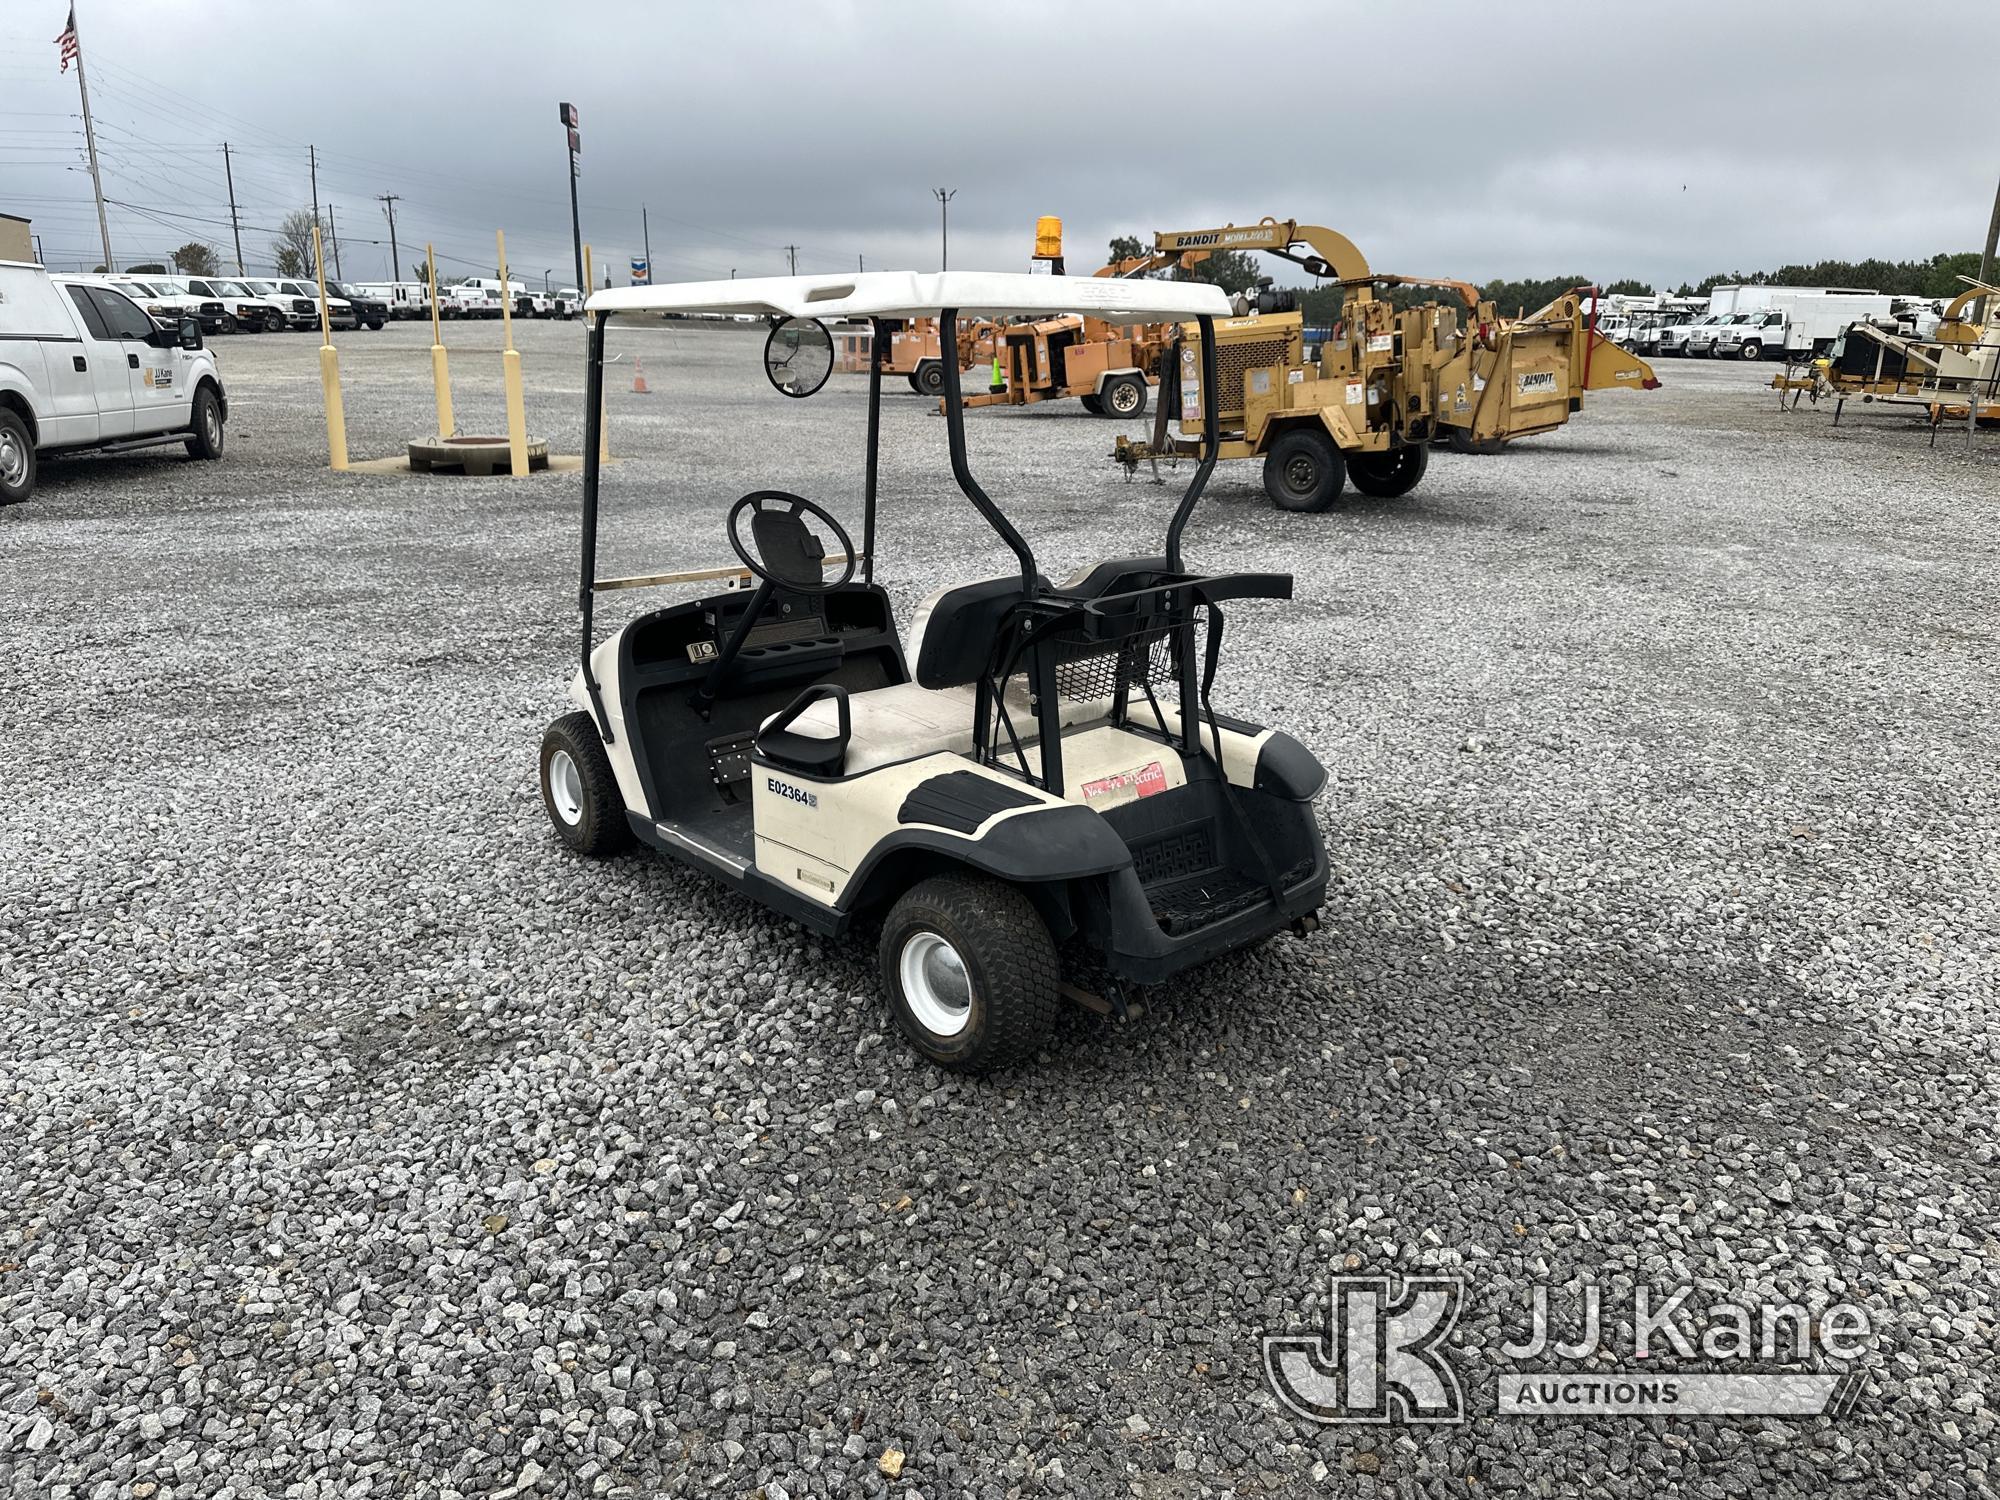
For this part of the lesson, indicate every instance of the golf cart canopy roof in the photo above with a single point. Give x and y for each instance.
(912, 294)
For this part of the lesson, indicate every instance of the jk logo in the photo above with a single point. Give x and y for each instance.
(1381, 1359)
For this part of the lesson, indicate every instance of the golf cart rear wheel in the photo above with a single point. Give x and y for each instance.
(1387, 475)
(930, 377)
(970, 972)
(578, 790)
(1304, 471)
(1123, 396)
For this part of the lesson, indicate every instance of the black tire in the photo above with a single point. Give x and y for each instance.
(1462, 441)
(1752, 349)
(1122, 397)
(1388, 475)
(228, 323)
(17, 457)
(1304, 471)
(588, 814)
(205, 434)
(929, 378)
(1092, 405)
(274, 321)
(912, 378)
(1006, 959)
(374, 322)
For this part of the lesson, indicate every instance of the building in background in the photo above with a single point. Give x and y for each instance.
(16, 243)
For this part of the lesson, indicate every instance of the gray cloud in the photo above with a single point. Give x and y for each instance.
(1458, 138)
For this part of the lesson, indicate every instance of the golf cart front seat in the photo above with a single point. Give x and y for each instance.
(950, 641)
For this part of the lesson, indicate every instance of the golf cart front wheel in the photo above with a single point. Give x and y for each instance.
(1304, 471)
(1388, 475)
(970, 971)
(579, 791)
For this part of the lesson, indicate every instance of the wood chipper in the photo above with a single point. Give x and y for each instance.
(1387, 383)
(916, 352)
(1108, 367)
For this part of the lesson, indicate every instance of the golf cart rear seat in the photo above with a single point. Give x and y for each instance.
(950, 641)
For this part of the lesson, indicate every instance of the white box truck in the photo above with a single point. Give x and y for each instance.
(1800, 321)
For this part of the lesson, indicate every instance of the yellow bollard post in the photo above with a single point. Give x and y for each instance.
(440, 374)
(603, 403)
(329, 369)
(510, 368)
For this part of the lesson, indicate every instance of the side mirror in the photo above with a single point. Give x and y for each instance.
(190, 334)
(798, 356)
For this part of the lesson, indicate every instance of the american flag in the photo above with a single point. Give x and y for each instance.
(67, 41)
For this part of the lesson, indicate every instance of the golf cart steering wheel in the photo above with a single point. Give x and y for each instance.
(788, 554)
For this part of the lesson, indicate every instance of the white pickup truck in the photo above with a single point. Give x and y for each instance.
(83, 366)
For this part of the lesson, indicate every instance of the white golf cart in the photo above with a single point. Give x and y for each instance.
(1038, 765)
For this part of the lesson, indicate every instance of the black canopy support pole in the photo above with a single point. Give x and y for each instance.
(954, 423)
(878, 352)
(1211, 442)
(593, 418)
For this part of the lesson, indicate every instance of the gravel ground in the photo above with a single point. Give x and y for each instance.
(356, 1141)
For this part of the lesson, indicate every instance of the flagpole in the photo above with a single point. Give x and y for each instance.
(90, 143)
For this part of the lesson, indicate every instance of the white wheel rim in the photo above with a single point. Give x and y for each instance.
(935, 984)
(565, 788)
(1124, 398)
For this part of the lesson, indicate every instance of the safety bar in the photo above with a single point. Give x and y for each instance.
(703, 575)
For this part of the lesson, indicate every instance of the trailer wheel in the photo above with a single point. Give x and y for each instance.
(17, 458)
(579, 791)
(1464, 442)
(970, 972)
(912, 378)
(1092, 405)
(929, 378)
(1304, 471)
(1123, 396)
(274, 321)
(205, 432)
(1388, 475)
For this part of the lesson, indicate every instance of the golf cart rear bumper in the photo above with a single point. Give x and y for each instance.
(1142, 950)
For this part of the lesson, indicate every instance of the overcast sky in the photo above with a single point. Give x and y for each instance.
(1460, 138)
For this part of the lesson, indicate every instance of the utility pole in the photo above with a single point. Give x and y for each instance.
(1985, 260)
(334, 235)
(90, 138)
(646, 234)
(235, 228)
(944, 225)
(790, 250)
(860, 262)
(395, 263)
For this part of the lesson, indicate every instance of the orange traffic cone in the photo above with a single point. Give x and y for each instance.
(639, 386)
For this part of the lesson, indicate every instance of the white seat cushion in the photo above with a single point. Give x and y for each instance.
(891, 724)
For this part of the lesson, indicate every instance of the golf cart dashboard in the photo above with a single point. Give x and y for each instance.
(794, 632)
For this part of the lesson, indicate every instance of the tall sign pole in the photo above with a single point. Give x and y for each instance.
(575, 220)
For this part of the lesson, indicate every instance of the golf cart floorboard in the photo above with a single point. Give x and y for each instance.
(1187, 902)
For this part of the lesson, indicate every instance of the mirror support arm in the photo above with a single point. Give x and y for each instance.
(954, 425)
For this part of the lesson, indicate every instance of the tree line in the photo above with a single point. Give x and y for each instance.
(1936, 276)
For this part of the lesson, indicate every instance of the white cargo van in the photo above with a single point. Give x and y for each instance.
(83, 366)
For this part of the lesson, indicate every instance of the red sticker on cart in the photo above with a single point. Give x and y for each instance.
(1141, 781)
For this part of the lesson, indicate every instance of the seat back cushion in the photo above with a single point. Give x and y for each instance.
(1117, 575)
(952, 636)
